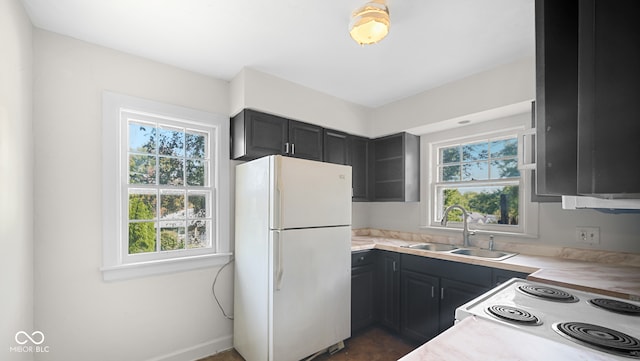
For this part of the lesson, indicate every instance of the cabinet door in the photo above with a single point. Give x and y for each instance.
(362, 297)
(389, 289)
(305, 140)
(608, 93)
(419, 311)
(359, 158)
(336, 147)
(257, 134)
(454, 294)
(556, 96)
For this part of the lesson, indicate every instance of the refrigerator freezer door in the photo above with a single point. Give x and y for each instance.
(311, 287)
(310, 194)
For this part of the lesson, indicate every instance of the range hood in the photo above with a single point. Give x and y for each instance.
(626, 205)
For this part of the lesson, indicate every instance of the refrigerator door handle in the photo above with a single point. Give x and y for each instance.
(279, 262)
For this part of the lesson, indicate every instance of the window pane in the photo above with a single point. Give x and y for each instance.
(142, 138)
(172, 235)
(170, 142)
(450, 155)
(504, 148)
(198, 234)
(477, 151)
(171, 171)
(142, 205)
(475, 171)
(197, 207)
(142, 169)
(196, 171)
(142, 237)
(450, 173)
(506, 168)
(172, 205)
(486, 205)
(195, 146)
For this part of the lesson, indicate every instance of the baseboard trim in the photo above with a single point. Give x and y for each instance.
(198, 351)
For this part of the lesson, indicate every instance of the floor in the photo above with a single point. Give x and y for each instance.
(374, 344)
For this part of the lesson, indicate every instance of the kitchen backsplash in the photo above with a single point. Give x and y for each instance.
(620, 258)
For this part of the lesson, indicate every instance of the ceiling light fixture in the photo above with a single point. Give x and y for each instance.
(370, 23)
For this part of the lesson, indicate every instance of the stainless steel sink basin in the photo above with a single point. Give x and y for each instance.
(483, 253)
(436, 247)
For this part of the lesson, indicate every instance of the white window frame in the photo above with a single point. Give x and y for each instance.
(528, 211)
(117, 263)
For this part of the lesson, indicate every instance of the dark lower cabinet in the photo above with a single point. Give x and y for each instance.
(500, 276)
(454, 294)
(415, 296)
(389, 289)
(363, 280)
(419, 312)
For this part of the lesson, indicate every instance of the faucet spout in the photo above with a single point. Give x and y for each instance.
(465, 226)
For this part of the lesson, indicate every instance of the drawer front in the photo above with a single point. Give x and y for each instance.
(361, 258)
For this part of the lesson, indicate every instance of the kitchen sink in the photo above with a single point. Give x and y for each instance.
(436, 247)
(483, 253)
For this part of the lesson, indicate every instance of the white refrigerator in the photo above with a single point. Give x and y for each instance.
(292, 291)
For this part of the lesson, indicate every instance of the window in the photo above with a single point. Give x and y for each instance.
(481, 174)
(165, 171)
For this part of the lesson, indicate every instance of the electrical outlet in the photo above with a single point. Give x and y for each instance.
(589, 235)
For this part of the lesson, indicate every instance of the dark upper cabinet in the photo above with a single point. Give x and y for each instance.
(256, 134)
(608, 94)
(305, 141)
(396, 168)
(587, 87)
(336, 147)
(360, 162)
(556, 106)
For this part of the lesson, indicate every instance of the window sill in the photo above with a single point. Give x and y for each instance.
(144, 269)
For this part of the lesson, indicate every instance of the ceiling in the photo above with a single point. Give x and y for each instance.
(431, 42)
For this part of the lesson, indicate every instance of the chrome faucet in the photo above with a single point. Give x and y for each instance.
(465, 227)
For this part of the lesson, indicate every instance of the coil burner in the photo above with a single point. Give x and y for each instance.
(617, 306)
(514, 315)
(548, 293)
(600, 338)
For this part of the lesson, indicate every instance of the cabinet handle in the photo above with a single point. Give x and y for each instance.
(394, 266)
(293, 148)
(433, 292)
(286, 148)
(442, 293)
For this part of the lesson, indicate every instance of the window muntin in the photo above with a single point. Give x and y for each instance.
(482, 176)
(168, 185)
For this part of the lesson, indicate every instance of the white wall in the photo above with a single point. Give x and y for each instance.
(502, 87)
(83, 317)
(260, 91)
(16, 178)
